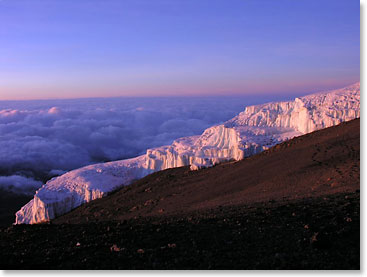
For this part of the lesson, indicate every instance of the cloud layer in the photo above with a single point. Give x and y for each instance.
(19, 184)
(41, 139)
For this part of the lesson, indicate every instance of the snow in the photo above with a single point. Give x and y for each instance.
(255, 129)
(304, 114)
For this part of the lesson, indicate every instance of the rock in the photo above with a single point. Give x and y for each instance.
(314, 237)
(149, 202)
(114, 248)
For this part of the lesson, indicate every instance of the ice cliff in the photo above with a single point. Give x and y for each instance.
(252, 131)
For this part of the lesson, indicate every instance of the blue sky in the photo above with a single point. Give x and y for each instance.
(90, 48)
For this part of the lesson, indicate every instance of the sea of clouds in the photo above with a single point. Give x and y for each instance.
(42, 139)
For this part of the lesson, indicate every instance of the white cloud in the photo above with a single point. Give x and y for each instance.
(19, 184)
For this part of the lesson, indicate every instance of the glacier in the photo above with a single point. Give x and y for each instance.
(256, 129)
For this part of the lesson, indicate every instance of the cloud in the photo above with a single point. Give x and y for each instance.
(19, 184)
(41, 139)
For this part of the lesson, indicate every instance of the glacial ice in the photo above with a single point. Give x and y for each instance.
(70, 190)
(255, 129)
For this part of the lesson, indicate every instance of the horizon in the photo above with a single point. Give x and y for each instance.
(91, 49)
(274, 96)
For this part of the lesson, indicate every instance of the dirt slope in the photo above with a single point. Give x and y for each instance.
(316, 233)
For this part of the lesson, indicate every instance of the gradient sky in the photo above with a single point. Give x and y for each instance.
(92, 48)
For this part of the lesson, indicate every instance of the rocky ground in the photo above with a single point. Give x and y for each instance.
(321, 233)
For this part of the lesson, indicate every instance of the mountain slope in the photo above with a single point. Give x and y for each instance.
(254, 130)
(320, 163)
(317, 233)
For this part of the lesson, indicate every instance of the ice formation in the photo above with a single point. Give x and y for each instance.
(255, 129)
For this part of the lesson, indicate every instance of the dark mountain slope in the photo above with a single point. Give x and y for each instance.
(317, 233)
(323, 162)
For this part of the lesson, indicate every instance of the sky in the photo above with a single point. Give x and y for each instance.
(108, 48)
